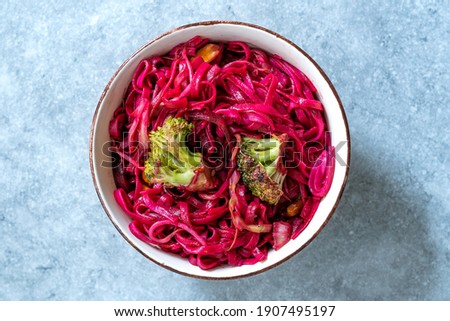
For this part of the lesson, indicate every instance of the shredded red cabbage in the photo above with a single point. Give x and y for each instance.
(236, 91)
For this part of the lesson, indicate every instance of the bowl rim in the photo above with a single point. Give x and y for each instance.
(207, 23)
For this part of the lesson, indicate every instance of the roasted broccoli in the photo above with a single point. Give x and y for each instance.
(171, 162)
(258, 164)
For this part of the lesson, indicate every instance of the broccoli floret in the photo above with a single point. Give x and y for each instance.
(171, 162)
(257, 162)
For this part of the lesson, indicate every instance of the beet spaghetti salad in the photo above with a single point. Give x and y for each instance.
(221, 152)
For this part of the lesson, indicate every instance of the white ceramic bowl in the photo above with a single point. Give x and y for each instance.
(220, 31)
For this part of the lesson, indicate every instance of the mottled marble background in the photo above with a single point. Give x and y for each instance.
(389, 238)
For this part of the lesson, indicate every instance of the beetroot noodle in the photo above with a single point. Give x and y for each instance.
(242, 91)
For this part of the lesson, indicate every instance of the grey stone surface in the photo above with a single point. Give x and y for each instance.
(389, 238)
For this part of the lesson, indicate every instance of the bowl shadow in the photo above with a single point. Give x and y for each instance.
(375, 247)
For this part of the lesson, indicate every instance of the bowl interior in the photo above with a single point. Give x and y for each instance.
(257, 37)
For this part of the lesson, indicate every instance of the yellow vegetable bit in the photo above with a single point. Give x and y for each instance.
(208, 52)
(294, 208)
(144, 177)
